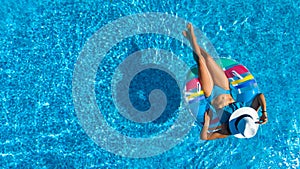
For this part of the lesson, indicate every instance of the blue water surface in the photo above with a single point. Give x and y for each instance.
(41, 40)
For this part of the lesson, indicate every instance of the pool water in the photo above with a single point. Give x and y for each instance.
(41, 42)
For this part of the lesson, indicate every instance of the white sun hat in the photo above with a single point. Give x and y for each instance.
(243, 123)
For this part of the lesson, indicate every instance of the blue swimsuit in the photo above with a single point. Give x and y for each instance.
(216, 91)
(206, 104)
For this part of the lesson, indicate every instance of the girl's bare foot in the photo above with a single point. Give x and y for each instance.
(186, 35)
(189, 35)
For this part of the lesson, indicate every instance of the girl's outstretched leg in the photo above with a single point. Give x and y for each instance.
(203, 72)
(218, 75)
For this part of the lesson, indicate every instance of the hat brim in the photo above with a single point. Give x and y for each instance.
(239, 112)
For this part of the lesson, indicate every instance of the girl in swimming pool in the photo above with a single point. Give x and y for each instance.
(217, 91)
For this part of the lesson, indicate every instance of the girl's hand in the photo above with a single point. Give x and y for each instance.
(207, 116)
(263, 119)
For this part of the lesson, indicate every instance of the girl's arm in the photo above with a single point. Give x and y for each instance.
(204, 135)
(258, 102)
